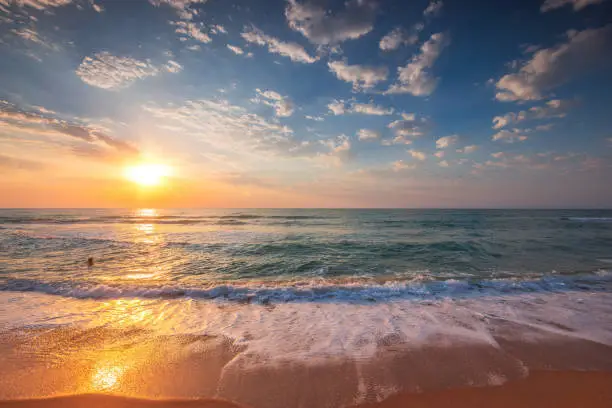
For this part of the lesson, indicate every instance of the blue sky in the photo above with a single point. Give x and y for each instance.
(361, 103)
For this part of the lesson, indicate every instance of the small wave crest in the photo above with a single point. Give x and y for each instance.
(356, 290)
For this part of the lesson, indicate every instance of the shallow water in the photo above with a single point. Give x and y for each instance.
(353, 304)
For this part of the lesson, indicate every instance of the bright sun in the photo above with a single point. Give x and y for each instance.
(147, 174)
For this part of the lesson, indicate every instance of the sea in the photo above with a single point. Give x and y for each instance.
(298, 307)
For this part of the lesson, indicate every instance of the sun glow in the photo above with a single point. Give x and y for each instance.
(147, 174)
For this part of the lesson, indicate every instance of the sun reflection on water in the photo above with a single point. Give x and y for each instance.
(146, 212)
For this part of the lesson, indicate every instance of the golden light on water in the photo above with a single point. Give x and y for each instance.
(147, 174)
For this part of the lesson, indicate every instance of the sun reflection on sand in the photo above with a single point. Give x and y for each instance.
(106, 377)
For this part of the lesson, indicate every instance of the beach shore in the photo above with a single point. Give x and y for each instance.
(562, 389)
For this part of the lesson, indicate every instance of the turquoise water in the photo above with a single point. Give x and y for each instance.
(326, 307)
(299, 254)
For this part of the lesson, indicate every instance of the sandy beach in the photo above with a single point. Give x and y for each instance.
(563, 389)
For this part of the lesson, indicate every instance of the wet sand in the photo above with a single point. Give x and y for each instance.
(541, 389)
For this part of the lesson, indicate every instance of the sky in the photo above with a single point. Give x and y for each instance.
(307, 103)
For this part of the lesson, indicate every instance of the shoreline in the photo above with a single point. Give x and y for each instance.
(563, 389)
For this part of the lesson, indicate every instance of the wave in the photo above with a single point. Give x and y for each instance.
(322, 290)
(588, 219)
(162, 219)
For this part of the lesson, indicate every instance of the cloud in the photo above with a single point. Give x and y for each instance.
(417, 154)
(315, 118)
(576, 4)
(218, 29)
(283, 107)
(231, 128)
(434, 8)
(173, 67)
(15, 119)
(312, 20)
(549, 68)
(415, 78)
(367, 134)
(443, 163)
(35, 4)
(361, 76)
(468, 149)
(14, 163)
(192, 30)
(404, 130)
(554, 108)
(110, 72)
(293, 51)
(338, 107)
(184, 8)
(439, 154)
(398, 37)
(446, 141)
(235, 50)
(498, 155)
(509, 136)
(339, 149)
(29, 34)
(400, 165)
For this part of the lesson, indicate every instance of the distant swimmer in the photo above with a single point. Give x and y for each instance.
(90, 261)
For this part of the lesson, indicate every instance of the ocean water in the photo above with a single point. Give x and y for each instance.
(308, 291)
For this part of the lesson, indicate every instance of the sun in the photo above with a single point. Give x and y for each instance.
(147, 174)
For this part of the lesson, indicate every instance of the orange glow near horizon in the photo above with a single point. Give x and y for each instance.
(147, 174)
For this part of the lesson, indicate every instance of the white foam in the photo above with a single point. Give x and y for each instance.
(318, 330)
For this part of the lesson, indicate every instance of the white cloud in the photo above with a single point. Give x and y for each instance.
(182, 7)
(340, 108)
(361, 76)
(228, 127)
(367, 134)
(509, 136)
(439, 154)
(544, 128)
(339, 149)
(468, 149)
(554, 108)
(370, 109)
(293, 51)
(398, 37)
(283, 107)
(417, 154)
(576, 4)
(404, 130)
(218, 29)
(446, 141)
(192, 30)
(173, 67)
(315, 118)
(337, 107)
(498, 155)
(408, 116)
(107, 71)
(443, 163)
(434, 8)
(235, 50)
(322, 27)
(551, 67)
(415, 78)
(400, 165)
(397, 140)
